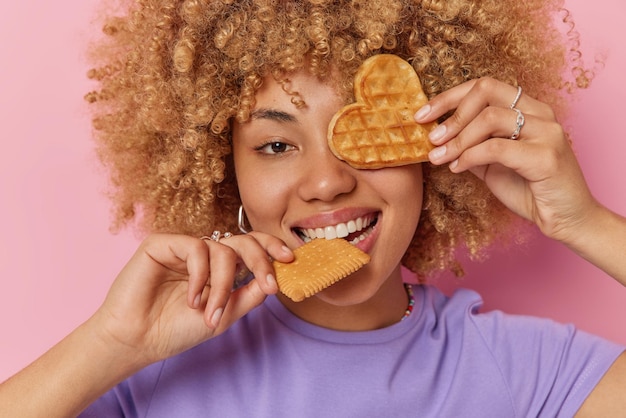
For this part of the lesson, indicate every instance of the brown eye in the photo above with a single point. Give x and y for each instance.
(275, 147)
(278, 147)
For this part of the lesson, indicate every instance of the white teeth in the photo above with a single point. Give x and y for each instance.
(330, 232)
(360, 237)
(340, 230)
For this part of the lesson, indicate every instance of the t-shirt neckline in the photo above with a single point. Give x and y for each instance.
(377, 336)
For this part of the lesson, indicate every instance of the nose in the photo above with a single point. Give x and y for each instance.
(326, 177)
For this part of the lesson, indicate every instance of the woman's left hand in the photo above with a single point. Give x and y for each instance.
(536, 175)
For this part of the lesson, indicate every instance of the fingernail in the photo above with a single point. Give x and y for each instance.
(286, 249)
(437, 153)
(271, 281)
(422, 113)
(453, 164)
(437, 133)
(196, 301)
(216, 317)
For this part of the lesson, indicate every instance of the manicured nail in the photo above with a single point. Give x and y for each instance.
(271, 281)
(196, 301)
(422, 113)
(437, 133)
(216, 317)
(437, 153)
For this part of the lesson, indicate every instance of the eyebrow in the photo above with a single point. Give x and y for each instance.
(273, 114)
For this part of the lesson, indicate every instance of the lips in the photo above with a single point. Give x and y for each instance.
(354, 230)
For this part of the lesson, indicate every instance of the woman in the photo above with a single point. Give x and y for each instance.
(221, 105)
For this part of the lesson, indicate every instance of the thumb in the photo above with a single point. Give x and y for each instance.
(241, 301)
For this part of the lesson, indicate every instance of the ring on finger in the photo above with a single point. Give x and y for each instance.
(519, 123)
(216, 236)
(517, 97)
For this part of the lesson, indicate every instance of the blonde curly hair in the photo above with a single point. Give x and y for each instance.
(172, 74)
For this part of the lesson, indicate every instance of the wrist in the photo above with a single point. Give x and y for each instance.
(69, 376)
(600, 239)
(125, 355)
(579, 230)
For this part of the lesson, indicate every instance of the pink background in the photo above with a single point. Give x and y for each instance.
(58, 258)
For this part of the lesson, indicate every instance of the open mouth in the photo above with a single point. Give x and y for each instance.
(353, 231)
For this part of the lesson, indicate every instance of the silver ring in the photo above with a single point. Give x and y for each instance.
(519, 123)
(216, 236)
(517, 97)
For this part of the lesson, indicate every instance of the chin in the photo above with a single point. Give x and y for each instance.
(352, 290)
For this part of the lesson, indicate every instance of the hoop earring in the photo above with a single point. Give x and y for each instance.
(241, 220)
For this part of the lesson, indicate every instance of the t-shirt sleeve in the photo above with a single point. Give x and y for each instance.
(550, 368)
(106, 406)
(131, 398)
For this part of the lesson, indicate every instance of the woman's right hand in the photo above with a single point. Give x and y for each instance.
(176, 292)
(151, 312)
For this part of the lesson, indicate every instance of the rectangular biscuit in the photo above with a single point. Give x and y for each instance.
(317, 265)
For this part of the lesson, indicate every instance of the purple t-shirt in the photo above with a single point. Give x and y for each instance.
(444, 360)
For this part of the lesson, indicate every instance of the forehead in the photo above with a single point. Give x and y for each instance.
(299, 89)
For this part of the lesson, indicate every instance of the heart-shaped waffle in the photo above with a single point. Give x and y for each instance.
(378, 130)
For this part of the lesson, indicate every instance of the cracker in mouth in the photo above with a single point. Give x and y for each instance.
(317, 265)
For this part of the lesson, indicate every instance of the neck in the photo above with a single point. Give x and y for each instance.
(350, 306)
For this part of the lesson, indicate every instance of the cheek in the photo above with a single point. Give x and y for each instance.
(404, 187)
(417, 187)
(406, 195)
(262, 195)
(408, 198)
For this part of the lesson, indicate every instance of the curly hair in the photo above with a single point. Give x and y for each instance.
(172, 74)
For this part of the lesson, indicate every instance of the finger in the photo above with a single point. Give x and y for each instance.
(242, 301)
(198, 272)
(275, 247)
(181, 254)
(223, 262)
(257, 250)
(189, 257)
(469, 102)
(486, 91)
(534, 158)
(492, 122)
